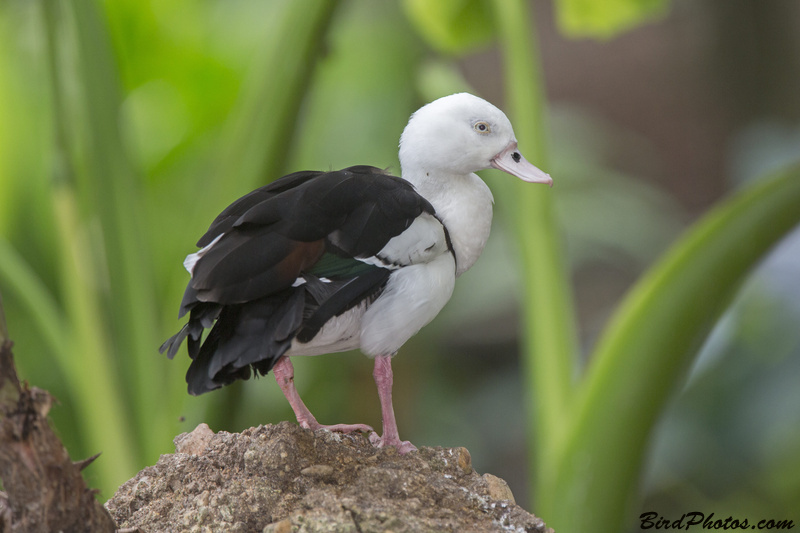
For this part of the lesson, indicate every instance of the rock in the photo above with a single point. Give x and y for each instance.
(194, 443)
(282, 479)
(498, 488)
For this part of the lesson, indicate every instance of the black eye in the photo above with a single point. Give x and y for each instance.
(516, 157)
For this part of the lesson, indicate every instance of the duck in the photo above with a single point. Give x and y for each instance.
(318, 262)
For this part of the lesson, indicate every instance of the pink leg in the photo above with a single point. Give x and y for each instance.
(384, 379)
(284, 375)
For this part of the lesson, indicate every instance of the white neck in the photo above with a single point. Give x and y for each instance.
(463, 202)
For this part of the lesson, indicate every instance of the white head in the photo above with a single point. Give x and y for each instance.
(460, 134)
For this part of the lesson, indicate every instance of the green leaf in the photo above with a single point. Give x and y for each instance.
(452, 26)
(22, 282)
(548, 322)
(607, 18)
(647, 348)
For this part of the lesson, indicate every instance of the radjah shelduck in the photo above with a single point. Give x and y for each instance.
(321, 262)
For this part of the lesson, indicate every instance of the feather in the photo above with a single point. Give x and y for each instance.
(256, 332)
(257, 279)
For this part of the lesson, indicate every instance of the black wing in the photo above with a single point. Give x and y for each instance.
(307, 225)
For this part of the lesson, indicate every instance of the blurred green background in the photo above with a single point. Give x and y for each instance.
(126, 126)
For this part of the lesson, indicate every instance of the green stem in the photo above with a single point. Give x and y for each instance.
(93, 382)
(549, 346)
(112, 194)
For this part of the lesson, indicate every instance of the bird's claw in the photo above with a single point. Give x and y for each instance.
(403, 447)
(338, 428)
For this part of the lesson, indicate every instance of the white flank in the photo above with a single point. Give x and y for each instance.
(421, 242)
(414, 295)
(339, 334)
